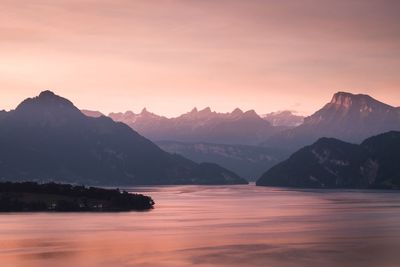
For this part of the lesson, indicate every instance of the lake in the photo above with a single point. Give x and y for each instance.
(215, 226)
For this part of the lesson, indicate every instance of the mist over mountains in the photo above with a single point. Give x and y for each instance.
(46, 138)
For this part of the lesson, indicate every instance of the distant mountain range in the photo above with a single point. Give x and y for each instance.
(237, 127)
(233, 139)
(46, 138)
(227, 139)
(348, 117)
(249, 162)
(331, 163)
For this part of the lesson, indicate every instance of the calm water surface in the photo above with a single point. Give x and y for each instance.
(215, 226)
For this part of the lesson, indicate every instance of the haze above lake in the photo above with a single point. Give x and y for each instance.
(215, 226)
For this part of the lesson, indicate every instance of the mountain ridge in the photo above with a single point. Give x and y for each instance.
(236, 127)
(47, 138)
(350, 117)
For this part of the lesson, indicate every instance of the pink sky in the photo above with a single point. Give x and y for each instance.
(171, 55)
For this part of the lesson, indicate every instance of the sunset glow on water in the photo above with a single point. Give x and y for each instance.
(215, 226)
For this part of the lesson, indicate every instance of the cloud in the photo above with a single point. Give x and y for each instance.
(197, 53)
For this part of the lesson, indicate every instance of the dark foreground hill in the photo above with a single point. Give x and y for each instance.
(46, 138)
(331, 163)
(29, 196)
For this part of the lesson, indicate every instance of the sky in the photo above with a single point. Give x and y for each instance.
(170, 55)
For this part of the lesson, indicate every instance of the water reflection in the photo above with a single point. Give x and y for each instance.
(215, 226)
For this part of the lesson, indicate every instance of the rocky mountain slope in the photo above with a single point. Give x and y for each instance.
(347, 116)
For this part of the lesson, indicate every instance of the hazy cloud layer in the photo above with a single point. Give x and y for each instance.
(172, 55)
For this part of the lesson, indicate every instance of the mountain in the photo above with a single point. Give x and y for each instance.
(331, 163)
(237, 127)
(3, 113)
(247, 161)
(283, 118)
(348, 117)
(92, 113)
(46, 138)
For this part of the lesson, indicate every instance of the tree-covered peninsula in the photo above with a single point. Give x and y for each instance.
(31, 196)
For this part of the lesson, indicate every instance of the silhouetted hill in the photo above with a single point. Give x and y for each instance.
(331, 163)
(46, 138)
(237, 127)
(385, 152)
(247, 161)
(348, 117)
(3, 113)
